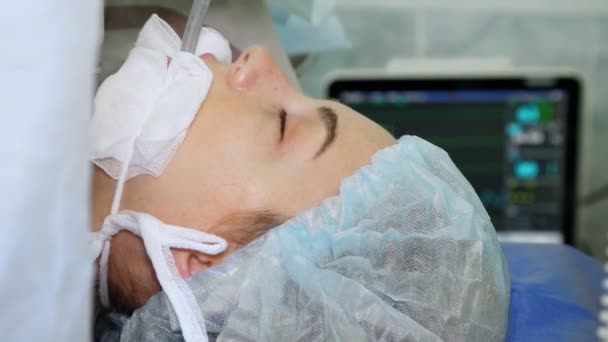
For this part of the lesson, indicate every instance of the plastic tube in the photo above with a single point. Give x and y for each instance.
(194, 25)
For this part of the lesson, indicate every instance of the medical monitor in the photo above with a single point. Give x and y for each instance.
(514, 139)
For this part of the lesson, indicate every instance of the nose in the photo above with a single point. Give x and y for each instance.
(255, 69)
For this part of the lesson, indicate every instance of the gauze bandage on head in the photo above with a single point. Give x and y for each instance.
(406, 252)
(142, 114)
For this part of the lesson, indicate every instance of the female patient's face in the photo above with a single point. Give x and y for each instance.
(256, 144)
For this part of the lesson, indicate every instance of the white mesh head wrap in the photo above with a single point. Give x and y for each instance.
(142, 114)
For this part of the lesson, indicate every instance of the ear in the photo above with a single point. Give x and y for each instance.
(189, 262)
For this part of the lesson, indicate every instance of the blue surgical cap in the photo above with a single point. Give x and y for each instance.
(405, 252)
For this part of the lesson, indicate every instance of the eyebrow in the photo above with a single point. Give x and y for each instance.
(330, 121)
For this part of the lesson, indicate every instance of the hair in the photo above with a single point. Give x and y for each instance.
(131, 277)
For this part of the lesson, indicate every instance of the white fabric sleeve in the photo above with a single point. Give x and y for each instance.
(47, 69)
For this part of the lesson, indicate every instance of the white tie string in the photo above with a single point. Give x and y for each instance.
(158, 240)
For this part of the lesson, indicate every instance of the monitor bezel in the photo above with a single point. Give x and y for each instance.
(570, 84)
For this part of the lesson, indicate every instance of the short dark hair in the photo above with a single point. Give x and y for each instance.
(131, 277)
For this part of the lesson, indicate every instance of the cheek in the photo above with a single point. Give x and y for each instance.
(302, 188)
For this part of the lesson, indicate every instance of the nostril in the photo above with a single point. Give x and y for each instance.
(246, 56)
(242, 77)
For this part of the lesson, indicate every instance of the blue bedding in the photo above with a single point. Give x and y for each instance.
(555, 293)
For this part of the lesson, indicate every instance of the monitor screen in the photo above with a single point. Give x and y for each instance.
(512, 140)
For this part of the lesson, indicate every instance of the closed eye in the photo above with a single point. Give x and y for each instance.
(282, 121)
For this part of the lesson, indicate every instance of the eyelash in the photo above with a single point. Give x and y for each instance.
(282, 120)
